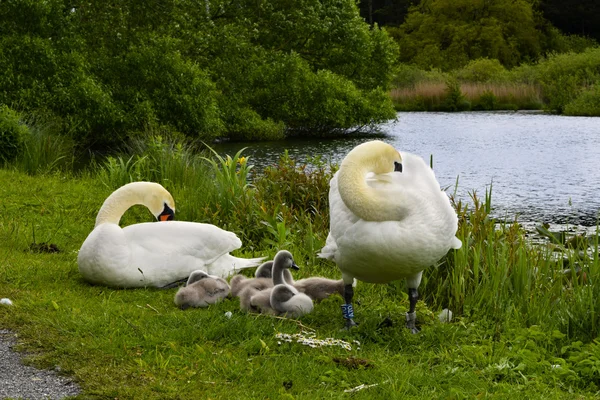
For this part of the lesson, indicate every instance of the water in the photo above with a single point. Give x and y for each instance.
(544, 168)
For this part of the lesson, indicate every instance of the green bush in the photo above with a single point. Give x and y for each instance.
(455, 100)
(316, 103)
(563, 75)
(12, 132)
(482, 70)
(406, 75)
(487, 101)
(587, 103)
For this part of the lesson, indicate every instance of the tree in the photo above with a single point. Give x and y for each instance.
(449, 33)
(213, 68)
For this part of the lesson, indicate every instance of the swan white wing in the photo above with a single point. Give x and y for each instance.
(103, 254)
(165, 252)
(179, 238)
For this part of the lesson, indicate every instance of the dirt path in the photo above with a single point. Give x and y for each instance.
(25, 382)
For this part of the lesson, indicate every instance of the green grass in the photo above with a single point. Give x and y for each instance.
(520, 329)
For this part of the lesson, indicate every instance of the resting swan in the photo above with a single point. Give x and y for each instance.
(389, 220)
(153, 254)
(201, 290)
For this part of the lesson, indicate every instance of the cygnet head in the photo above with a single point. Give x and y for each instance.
(265, 270)
(378, 156)
(285, 260)
(197, 275)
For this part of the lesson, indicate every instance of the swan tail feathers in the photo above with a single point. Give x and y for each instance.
(456, 243)
(243, 263)
(328, 251)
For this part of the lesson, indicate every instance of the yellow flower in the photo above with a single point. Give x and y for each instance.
(242, 160)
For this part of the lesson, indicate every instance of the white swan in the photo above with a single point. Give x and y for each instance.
(154, 254)
(201, 290)
(389, 220)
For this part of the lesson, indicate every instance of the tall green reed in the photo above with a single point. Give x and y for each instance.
(43, 150)
(501, 276)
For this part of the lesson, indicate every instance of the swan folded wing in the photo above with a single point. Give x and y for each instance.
(180, 238)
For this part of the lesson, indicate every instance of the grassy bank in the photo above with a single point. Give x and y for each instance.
(522, 326)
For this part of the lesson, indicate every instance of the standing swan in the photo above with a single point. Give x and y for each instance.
(153, 254)
(388, 220)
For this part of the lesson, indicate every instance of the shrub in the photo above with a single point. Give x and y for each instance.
(587, 103)
(12, 132)
(482, 70)
(455, 100)
(487, 101)
(563, 75)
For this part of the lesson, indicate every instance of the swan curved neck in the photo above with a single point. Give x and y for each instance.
(120, 201)
(365, 202)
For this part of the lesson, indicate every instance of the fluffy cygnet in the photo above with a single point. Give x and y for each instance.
(284, 299)
(317, 288)
(201, 290)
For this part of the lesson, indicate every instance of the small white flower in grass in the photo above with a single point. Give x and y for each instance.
(308, 339)
(360, 387)
(6, 302)
(228, 314)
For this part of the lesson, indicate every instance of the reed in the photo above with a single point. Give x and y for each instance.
(43, 150)
(431, 96)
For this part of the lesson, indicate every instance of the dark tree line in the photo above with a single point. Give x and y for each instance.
(577, 17)
(574, 17)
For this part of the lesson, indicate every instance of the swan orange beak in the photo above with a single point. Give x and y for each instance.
(167, 214)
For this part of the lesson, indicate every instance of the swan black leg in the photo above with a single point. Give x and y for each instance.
(347, 309)
(411, 315)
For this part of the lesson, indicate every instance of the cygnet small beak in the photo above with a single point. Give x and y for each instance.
(295, 267)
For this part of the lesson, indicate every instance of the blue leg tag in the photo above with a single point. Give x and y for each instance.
(348, 311)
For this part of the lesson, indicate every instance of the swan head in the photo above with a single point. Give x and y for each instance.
(284, 259)
(363, 201)
(375, 156)
(160, 203)
(150, 194)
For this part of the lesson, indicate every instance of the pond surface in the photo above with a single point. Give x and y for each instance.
(545, 168)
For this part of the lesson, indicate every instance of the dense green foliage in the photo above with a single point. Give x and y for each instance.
(12, 131)
(522, 326)
(448, 34)
(254, 70)
(574, 17)
(565, 77)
